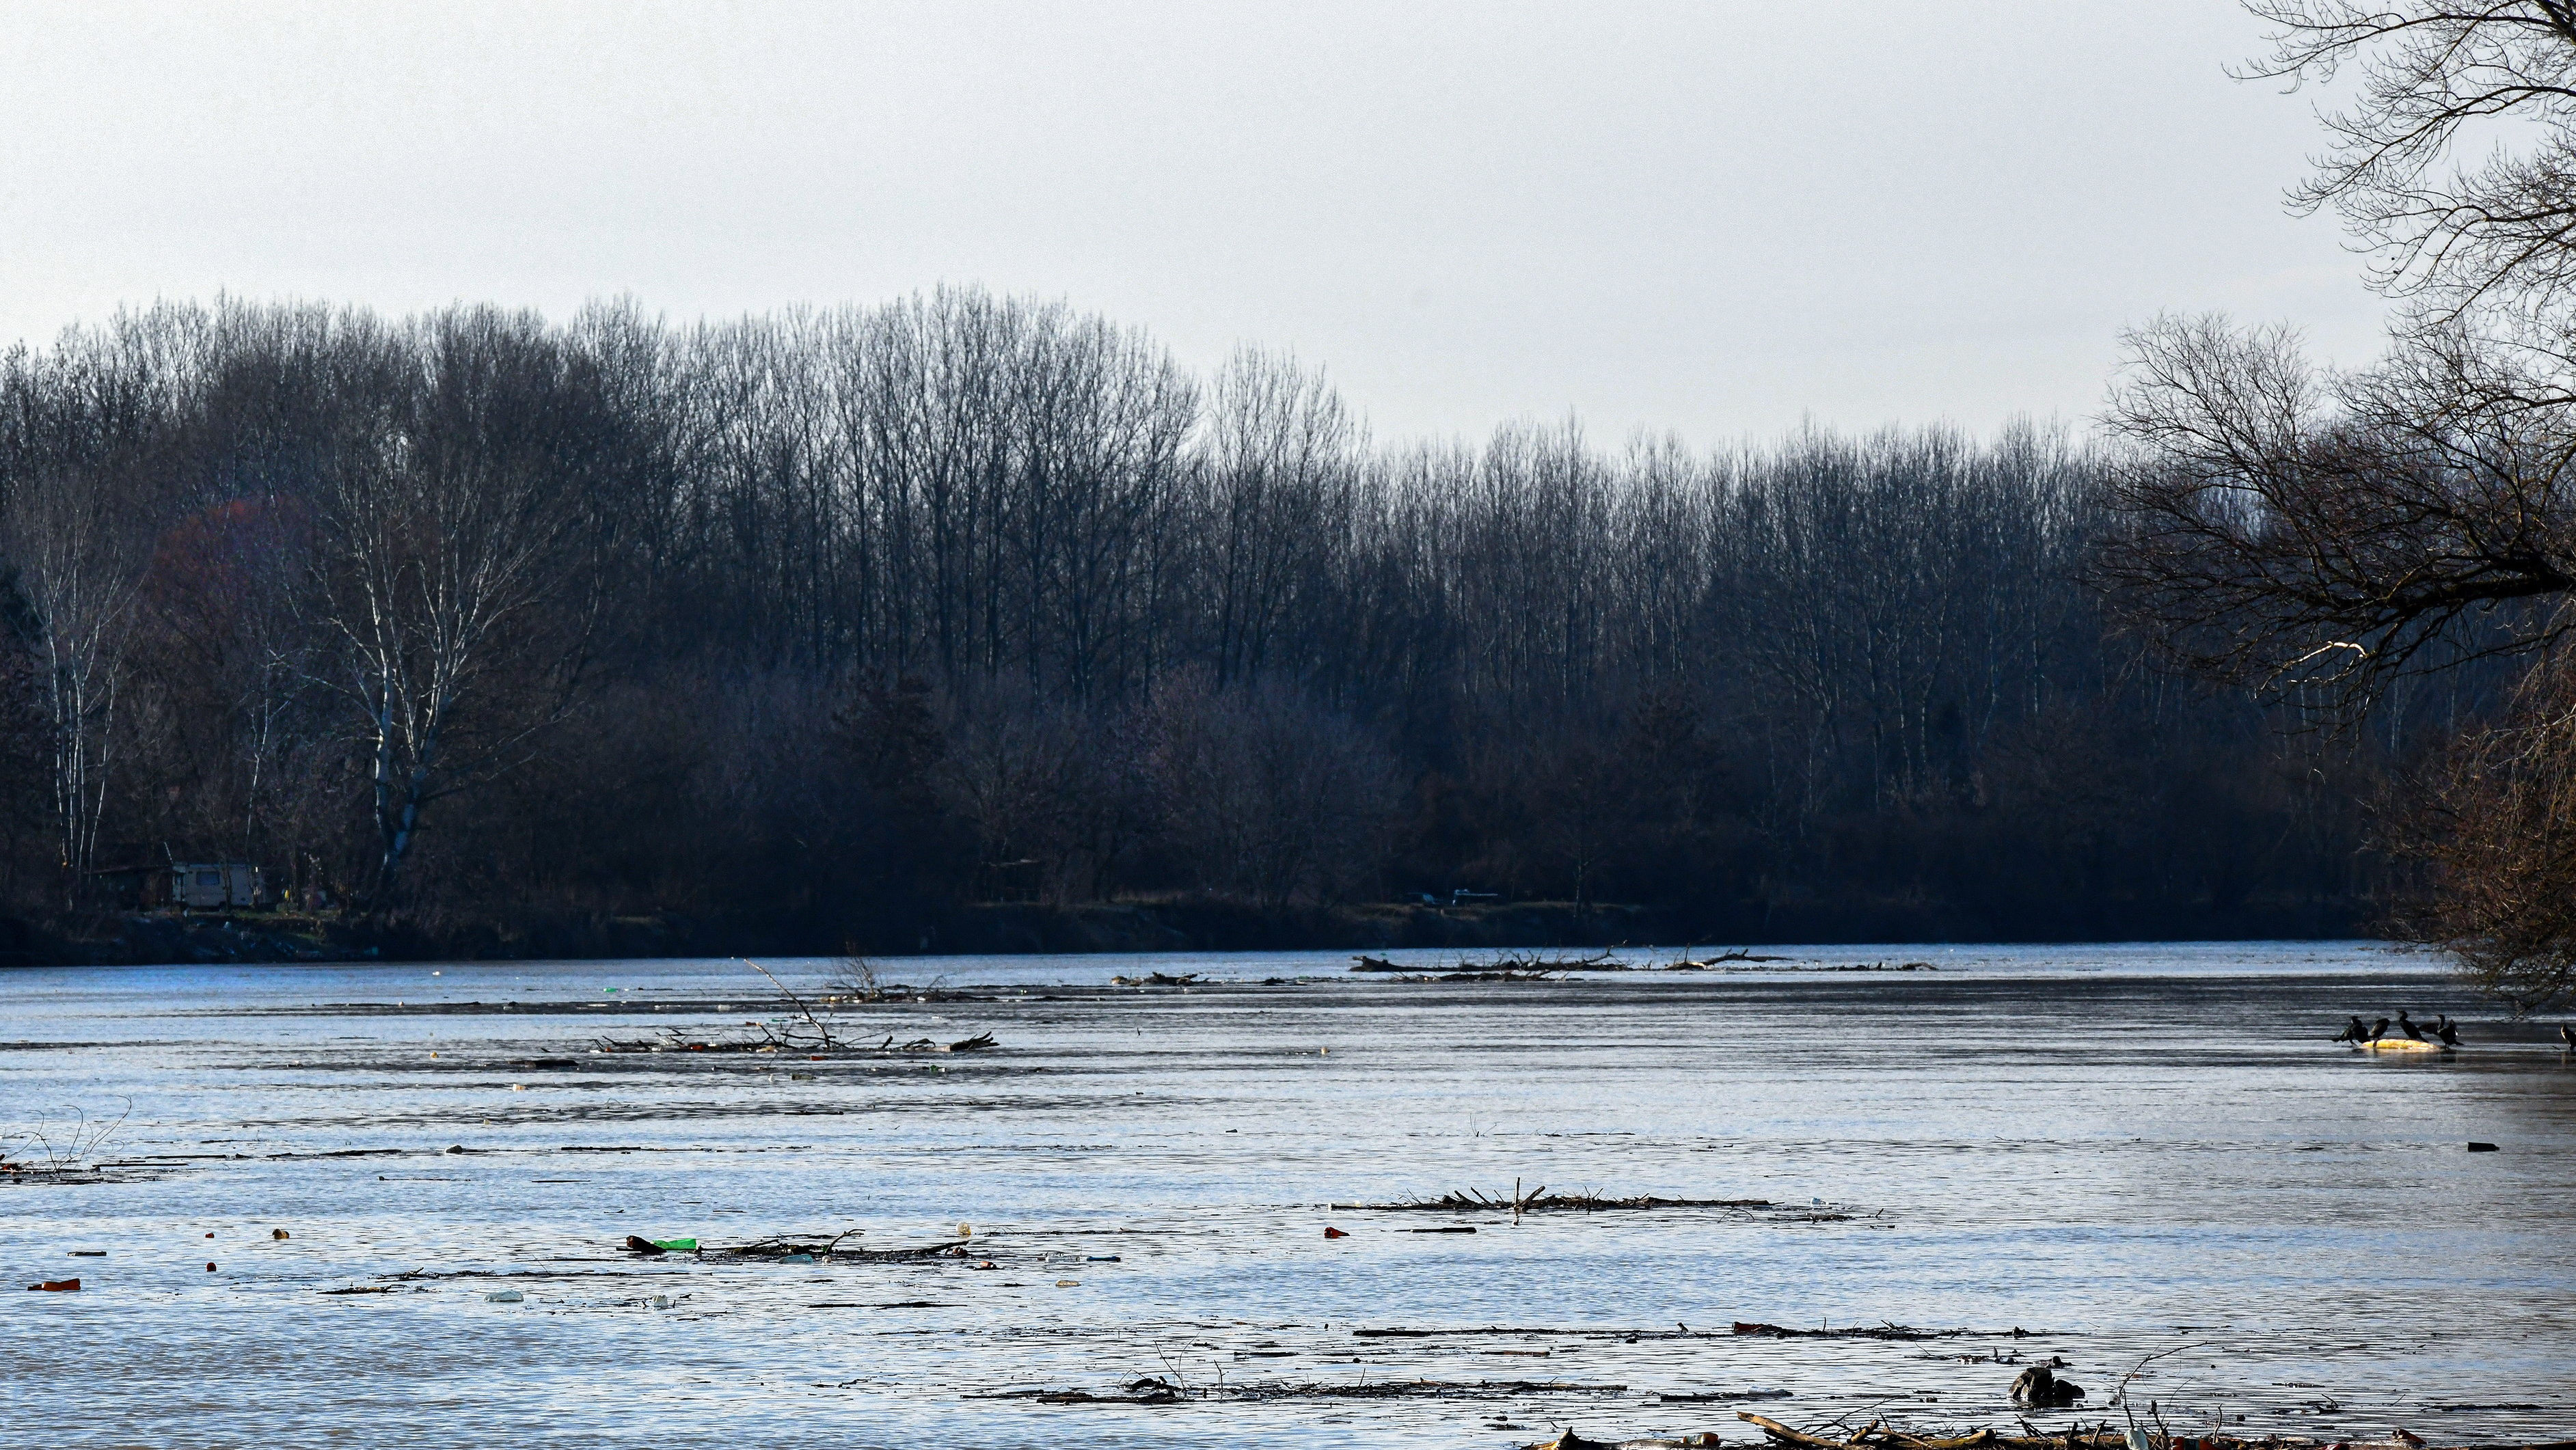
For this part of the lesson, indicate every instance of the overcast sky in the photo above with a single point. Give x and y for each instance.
(1714, 218)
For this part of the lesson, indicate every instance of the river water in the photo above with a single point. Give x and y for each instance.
(2121, 1152)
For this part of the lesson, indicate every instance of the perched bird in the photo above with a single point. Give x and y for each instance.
(2408, 1027)
(2353, 1031)
(2448, 1031)
(2567, 1035)
(2379, 1029)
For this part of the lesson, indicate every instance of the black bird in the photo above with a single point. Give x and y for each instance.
(2407, 1027)
(2379, 1029)
(2567, 1035)
(2448, 1031)
(2353, 1032)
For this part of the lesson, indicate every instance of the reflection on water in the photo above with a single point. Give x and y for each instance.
(2119, 1151)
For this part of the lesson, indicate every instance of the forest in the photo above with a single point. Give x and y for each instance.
(823, 630)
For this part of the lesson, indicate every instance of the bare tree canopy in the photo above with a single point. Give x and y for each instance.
(2287, 528)
(2325, 536)
(2436, 80)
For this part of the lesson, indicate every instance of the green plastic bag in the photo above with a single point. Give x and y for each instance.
(677, 1246)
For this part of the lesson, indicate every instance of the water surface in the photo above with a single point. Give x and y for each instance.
(2119, 1151)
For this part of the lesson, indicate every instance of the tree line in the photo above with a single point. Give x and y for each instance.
(843, 619)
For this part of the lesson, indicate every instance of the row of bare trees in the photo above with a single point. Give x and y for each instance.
(841, 618)
(294, 543)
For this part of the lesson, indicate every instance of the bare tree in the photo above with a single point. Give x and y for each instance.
(455, 567)
(2287, 528)
(76, 571)
(2432, 75)
(1278, 463)
(2495, 826)
(2323, 536)
(79, 500)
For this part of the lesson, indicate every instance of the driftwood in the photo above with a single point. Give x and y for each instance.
(781, 1247)
(1516, 966)
(1732, 959)
(1880, 1331)
(1506, 975)
(1155, 1390)
(1678, 1331)
(791, 1042)
(956, 1250)
(1573, 1439)
(1539, 1200)
(2104, 1436)
(1884, 1439)
(1601, 961)
(816, 1038)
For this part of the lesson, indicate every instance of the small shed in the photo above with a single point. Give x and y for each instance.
(216, 885)
(136, 887)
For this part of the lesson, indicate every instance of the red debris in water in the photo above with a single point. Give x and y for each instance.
(1334, 1233)
(57, 1286)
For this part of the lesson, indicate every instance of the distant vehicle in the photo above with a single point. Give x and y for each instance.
(216, 885)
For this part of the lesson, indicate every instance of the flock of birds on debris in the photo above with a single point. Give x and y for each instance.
(2443, 1031)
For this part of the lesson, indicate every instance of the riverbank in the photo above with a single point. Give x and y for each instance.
(1191, 924)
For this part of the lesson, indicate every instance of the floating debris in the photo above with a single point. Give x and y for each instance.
(774, 1038)
(1539, 1200)
(1155, 1390)
(1876, 1331)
